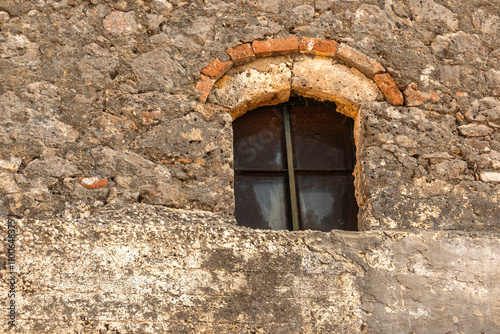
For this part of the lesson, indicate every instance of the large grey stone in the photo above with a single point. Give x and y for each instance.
(431, 12)
(157, 70)
(52, 166)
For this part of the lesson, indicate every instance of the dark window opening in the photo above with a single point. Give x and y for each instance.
(293, 167)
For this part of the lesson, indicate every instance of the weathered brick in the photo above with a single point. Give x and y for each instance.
(368, 66)
(318, 47)
(216, 69)
(204, 86)
(92, 182)
(389, 88)
(276, 46)
(241, 54)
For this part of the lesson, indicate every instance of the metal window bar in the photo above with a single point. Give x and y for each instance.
(291, 174)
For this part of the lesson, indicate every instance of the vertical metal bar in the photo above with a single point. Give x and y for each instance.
(291, 173)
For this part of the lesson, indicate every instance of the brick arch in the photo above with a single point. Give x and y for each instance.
(267, 72)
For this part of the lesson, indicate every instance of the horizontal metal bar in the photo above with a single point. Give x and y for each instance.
(261, 170)
(324, 171)
(300, 171)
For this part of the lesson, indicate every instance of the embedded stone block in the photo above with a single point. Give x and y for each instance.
(241, 54)
(157, 70)
(276, 46)
(324, 80)
(265, 82)
(389, 88)
(51, 166)
(4, 17)
(120, 23)
(204, 86)
(489, 177)
(151, 117)
(352, 57)
(318, 47)
(413, 97)
(474, 130)
(216, 69)
(12, 164)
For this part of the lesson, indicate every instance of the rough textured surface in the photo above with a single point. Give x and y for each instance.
(151, 269)
(413, 172)
(263, 82)
(324, 79)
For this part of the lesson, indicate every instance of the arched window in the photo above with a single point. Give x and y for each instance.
(293, 167)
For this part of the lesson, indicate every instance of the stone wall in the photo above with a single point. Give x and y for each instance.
(116, 162)
(415, 172)
(107, 90)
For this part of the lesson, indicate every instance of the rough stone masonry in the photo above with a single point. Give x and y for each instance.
(117, 169)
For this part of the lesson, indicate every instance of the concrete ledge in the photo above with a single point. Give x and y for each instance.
(148, 267)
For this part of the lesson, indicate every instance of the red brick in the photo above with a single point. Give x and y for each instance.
(318, 47)
(352, 57)
(204, 86)
(92, 182)
(276, 46)
(389, 88)
(216, 69)
(241, 54)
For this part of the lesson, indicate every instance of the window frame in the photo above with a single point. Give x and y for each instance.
(292, 171)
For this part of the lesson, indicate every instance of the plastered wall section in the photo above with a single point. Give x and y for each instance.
(144, 269)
